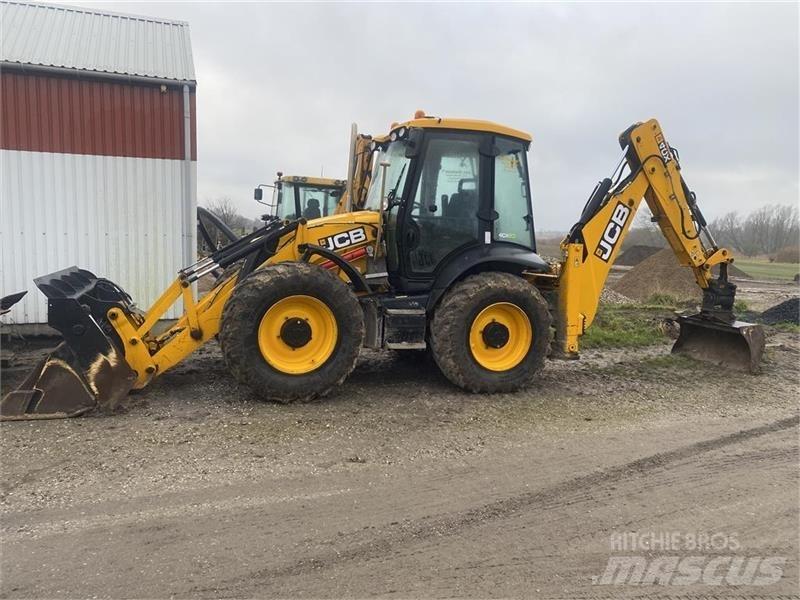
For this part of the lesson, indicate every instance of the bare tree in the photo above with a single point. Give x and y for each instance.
(727, 231)
(224, 208)
(785, 227)
(764, 231)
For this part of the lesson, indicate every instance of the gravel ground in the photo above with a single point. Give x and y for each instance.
(400, 484)
(785, 312)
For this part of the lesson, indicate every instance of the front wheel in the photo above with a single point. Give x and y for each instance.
(491, 333)
(291, 331)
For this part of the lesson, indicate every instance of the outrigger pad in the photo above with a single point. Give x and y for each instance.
(88, 370)
(735, 345)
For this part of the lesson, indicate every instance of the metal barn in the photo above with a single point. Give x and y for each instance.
(97, 150)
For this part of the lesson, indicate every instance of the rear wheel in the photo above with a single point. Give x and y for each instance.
(491, 333)
(291, 331)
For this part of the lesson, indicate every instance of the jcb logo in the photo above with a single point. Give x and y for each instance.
(344, 239)
(612, 232)
(663, 147)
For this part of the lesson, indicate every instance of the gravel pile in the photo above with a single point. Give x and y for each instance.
(785, 312)
(609, 296)
(635, 254)
(659, 274)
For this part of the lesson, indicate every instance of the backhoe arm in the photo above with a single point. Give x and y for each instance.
(595, 240)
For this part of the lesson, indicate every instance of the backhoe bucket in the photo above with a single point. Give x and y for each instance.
(735, 345)
(88, 370)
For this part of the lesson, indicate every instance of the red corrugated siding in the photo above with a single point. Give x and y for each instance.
(79, 116)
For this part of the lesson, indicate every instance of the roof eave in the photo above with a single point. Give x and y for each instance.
(92, 74)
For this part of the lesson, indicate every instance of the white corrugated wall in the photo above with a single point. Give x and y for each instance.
(118, 217)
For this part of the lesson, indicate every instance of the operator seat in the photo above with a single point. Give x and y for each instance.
(312, 209)
(462, 205)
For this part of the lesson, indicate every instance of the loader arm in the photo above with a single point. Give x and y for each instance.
(593, 244)
(359, 174)
(110, 347)
(150, 355)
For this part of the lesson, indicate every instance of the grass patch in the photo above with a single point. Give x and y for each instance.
(617, 327)
(662, 301)
(763, 269)
(740, 306)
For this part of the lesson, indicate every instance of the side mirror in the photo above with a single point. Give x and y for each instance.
(258, 194)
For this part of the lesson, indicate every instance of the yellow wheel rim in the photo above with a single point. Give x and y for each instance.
(500, 336)
(297, 334)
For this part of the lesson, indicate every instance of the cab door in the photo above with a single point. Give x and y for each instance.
(448, 190)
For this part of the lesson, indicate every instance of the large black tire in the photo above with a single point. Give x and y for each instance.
(248, 304)
(453, 318)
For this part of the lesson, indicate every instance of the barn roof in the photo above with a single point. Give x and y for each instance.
(88, 40)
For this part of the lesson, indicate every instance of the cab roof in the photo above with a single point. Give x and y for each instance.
(427, 122)
(321, 181)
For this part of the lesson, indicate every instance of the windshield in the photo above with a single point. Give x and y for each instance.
(396, 172)
(315, 201)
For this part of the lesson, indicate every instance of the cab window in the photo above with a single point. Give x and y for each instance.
(511, 196)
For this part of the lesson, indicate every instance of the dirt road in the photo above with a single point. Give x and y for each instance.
(403, 486)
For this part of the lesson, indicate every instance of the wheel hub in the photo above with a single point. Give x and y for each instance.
(298, 334)
(500, 336)
(295, 332)
(495, 335)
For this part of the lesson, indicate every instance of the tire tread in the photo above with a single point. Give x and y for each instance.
(242, 315)
(448, 329)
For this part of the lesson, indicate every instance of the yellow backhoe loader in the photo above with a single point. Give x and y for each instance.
(439, 253)
(295, 196)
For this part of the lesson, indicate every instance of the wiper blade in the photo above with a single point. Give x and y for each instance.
(390, 196)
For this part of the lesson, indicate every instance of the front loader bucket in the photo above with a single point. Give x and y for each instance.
(88, 370)
(734, 345)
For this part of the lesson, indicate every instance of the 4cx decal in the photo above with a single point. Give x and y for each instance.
(612, 232)
(344, 239)
(663, 147)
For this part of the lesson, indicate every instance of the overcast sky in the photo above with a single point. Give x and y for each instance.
(280, 84)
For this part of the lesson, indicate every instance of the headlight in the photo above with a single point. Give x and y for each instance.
(401, 133)
(393, 136)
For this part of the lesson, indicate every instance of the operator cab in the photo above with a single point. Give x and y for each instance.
(308, 197)
(453, 191)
